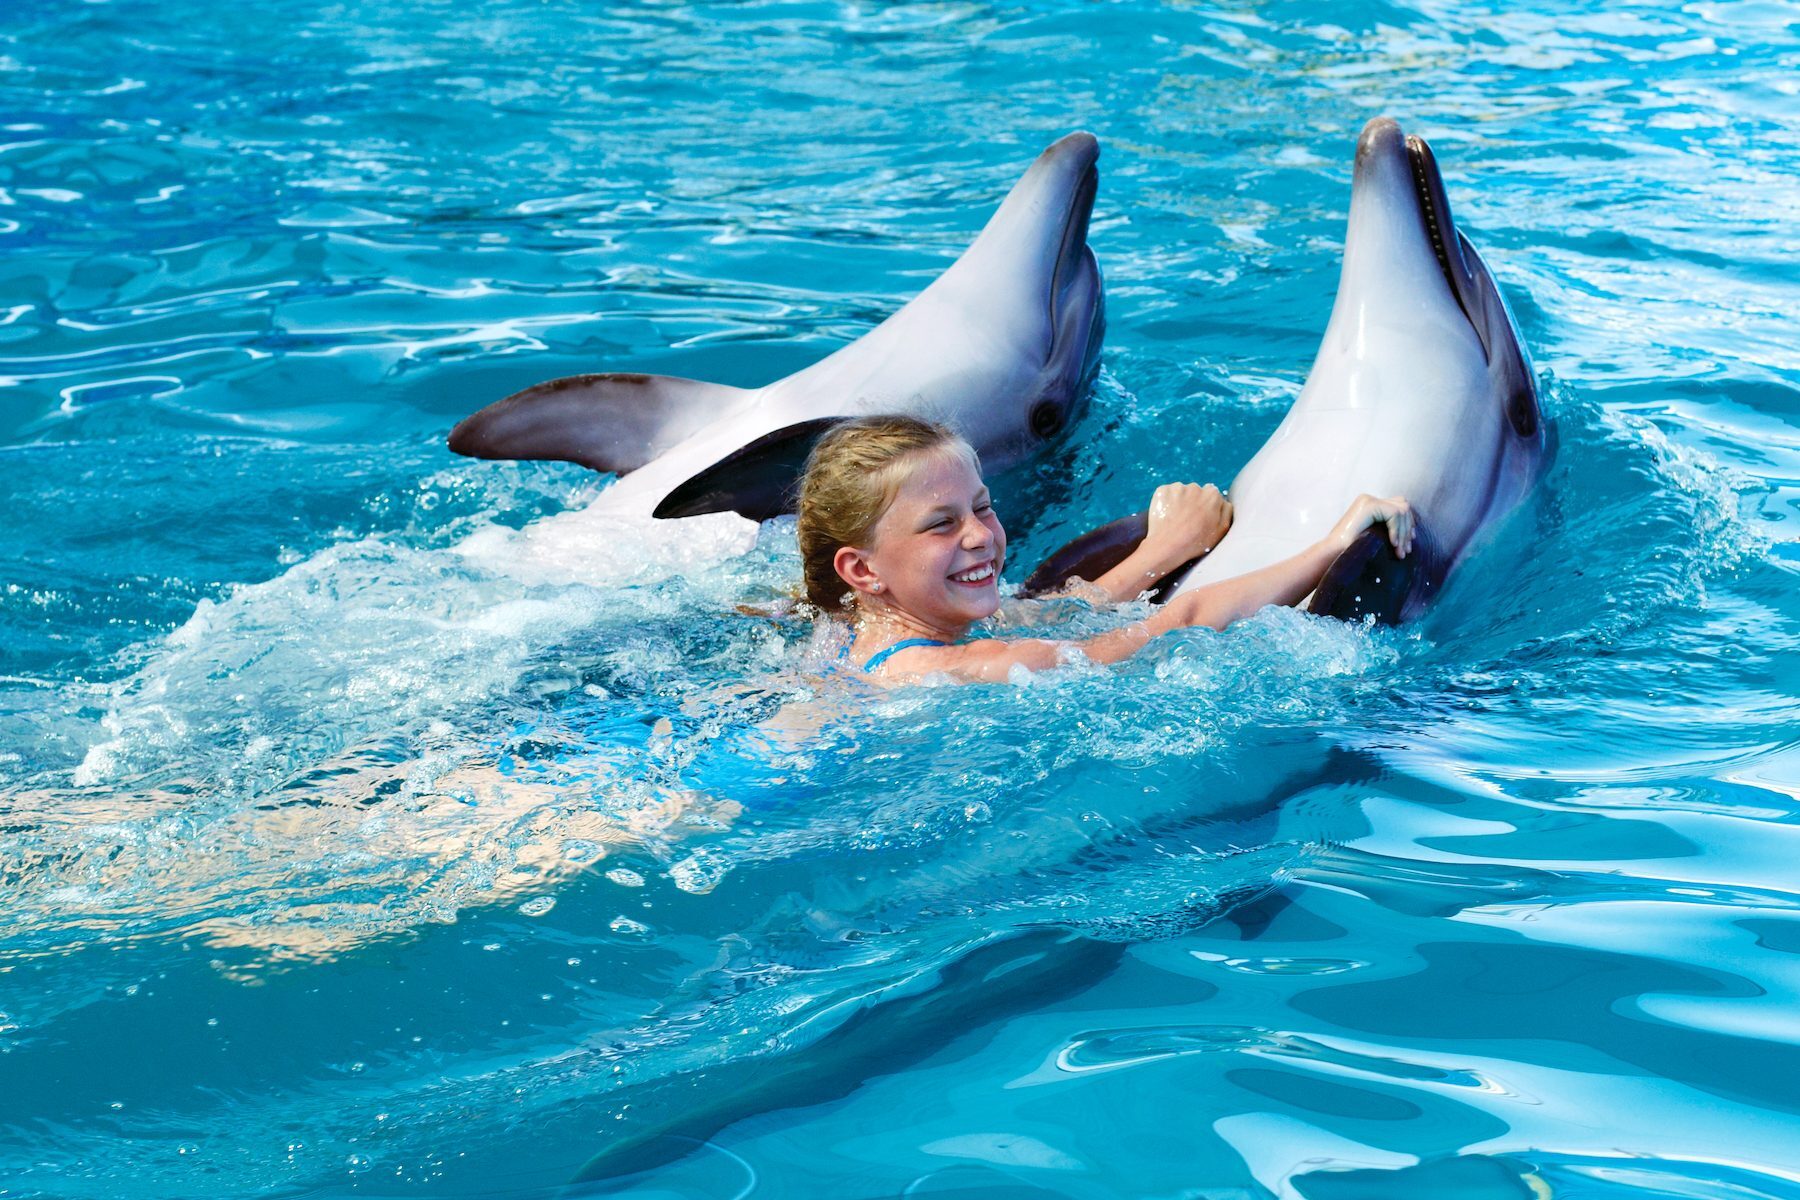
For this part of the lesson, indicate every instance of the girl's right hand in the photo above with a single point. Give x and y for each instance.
(1186, 520)
(1370, 510)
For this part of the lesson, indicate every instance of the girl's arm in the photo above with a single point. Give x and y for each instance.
(1216, 605)
(1292, 579)
(1186, 520)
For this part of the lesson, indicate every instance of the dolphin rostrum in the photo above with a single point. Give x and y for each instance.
(1421, 388)
(1000, 347)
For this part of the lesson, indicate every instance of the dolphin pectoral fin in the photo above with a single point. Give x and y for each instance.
(1089, 556)
(760, 481)
(612, 422)
(1369, 580)
(1095, 553)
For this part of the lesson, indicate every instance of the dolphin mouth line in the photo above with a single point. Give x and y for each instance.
(1440, 227)
(1074, 239)
(1428, 209)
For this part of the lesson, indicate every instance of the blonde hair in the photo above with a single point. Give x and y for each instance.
(852, 476)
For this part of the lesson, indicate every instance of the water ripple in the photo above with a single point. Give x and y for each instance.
(529, 847)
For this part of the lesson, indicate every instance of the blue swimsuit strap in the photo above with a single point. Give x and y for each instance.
(881, 655)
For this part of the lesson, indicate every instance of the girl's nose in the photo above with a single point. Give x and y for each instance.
(975, 533)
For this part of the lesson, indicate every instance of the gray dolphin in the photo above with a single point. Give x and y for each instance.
(1421, 388)
(1001, 346)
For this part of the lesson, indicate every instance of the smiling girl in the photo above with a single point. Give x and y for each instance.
(898, 535)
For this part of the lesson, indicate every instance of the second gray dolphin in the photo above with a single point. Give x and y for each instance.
(1421, 388)
(1001, 347)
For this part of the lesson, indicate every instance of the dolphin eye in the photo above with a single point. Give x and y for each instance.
(1046, 418)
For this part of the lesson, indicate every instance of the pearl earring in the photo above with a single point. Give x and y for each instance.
(875, 587)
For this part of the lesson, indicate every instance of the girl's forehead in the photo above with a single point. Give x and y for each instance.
(939, 477)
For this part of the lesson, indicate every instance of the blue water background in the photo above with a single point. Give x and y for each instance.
(335, 859)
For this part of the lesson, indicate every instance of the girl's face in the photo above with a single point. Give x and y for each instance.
(937, 551)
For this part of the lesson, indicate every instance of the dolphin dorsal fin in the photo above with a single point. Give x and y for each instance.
(612, 422)
(760, 481)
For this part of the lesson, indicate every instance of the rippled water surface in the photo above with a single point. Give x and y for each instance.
(348, 847)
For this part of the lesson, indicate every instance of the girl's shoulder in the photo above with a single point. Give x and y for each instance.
(979, 660)
(876, 660)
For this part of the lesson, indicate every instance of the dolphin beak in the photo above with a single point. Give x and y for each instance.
(1069, 178)
(1073, 154)
(1400, 213)
(1397, 205)
(1074, 247)
(1038, 236)
(1076, 313)
(1400, 224)
(1446, 242)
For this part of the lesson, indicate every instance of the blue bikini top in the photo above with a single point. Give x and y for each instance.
(881, 655)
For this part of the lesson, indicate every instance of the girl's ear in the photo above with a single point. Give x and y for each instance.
(852, 566)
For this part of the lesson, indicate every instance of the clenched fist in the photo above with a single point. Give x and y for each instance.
(1186, 520)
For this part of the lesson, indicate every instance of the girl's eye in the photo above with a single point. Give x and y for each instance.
(986, 506)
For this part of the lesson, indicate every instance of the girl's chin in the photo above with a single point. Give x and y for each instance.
(983, 604)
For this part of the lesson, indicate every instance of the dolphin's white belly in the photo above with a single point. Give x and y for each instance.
(1417, 423)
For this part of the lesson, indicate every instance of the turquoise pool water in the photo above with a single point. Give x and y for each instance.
(351, 845)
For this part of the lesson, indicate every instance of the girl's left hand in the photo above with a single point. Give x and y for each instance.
(1186, 520)
(1372, 510)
